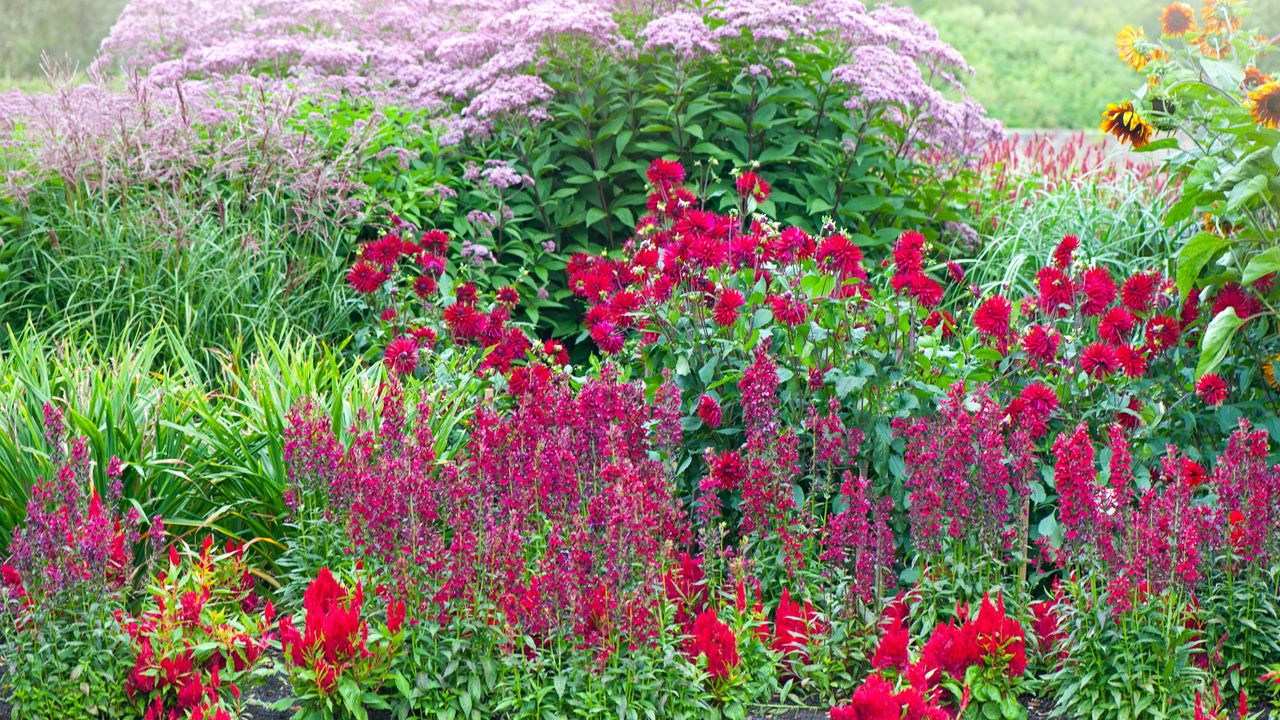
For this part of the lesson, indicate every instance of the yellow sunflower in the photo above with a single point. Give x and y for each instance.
(1126, 124)
(1178, 19)
(1264, 105)
(1270, 367)
(1129, 44)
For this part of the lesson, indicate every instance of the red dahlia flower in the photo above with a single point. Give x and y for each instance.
(1040, 397)
(665, 173)
(1139, 292)
(1163, 332)
(1231, 295)
(1116, 325)
(435, 242)
(508, 295)
(709, 411)
(1099, 360)
(1041, 344)
(465, 294)
(1062, 254)
(728, 304)
(607, 337)
(992, 317)
(1099, 291)
(942, 319)
(1212, 389)
(841, 256)
(908, 255)
(365, 278)
(1056, 292)
(752, 185)
(788, 309)
(1132, 361)
(401, 355)
(925, 289)
(424, 286)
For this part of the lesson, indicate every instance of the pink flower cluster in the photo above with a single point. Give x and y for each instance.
(968, 472)
(479, 62)
(1167, 535)
(1058, 162)
(555, 514)
(74, 541)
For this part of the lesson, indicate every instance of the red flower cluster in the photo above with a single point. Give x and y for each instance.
(968, 469)
(198, 638)
(990, 639)
(751, 185)
(878, 699)
(709, 411)
(794, 626)
(1046, 624)
(335, 637)
(909, 276)
(73, 540)
(1212, 389)
(1148, 322)
(714, 639)
(1146, 540)
(413, 311)
(555, 513)
(676, 247)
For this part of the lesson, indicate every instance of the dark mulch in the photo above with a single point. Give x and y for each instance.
(1038, 708)
(790, 715)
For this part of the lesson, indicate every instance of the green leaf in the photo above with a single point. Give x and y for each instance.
(1264, 263)
(1048, 528)
(1246, 191)
(1184, 208)
(350, 692)
(1227, 76)
(1217, 340)
(1197, 253)
(1165, 144)
(682, 365)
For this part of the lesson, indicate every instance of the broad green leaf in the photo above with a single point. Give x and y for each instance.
(1262, 264)
(1217, 340)
(1197, 253)
(1246, 191)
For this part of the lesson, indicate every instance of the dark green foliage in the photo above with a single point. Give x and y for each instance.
(610, 119)
(66, 666)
